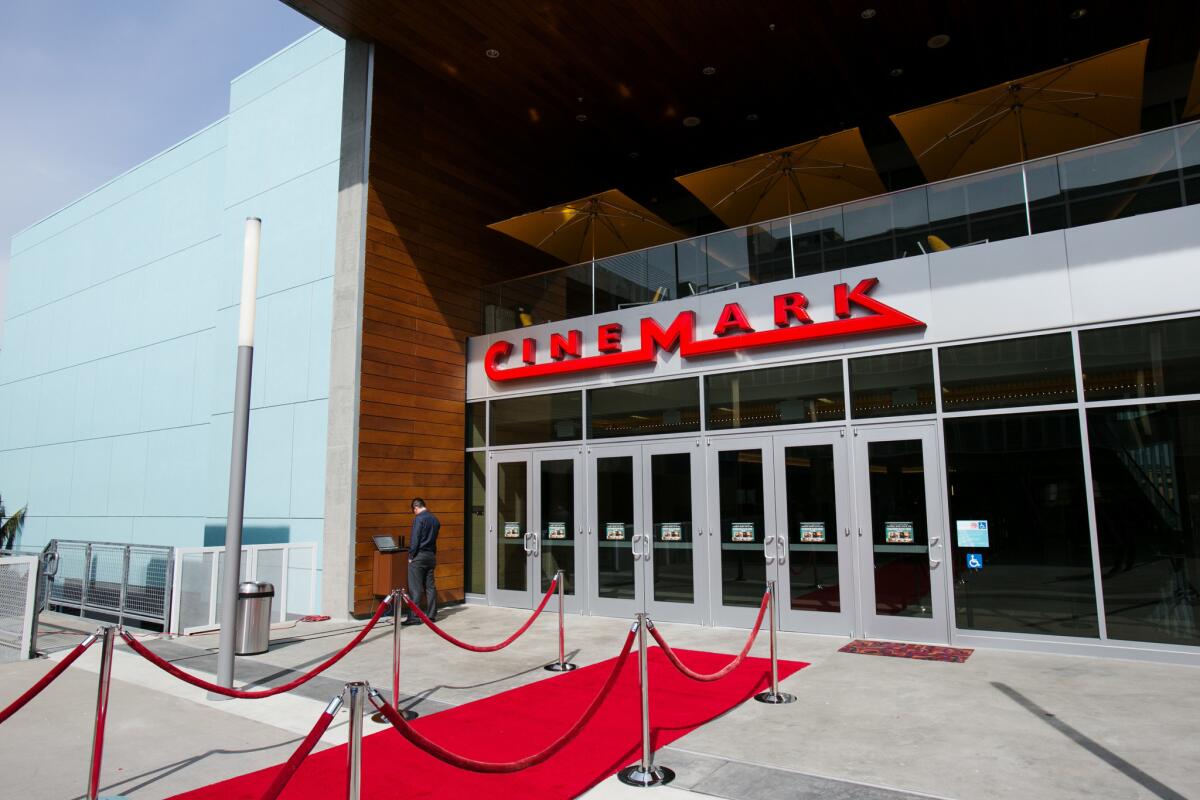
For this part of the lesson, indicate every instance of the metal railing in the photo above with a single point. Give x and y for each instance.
(196, 596)
(113, 580)
(1151, 171)
(18, 606)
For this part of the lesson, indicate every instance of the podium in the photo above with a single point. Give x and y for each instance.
(390, 568)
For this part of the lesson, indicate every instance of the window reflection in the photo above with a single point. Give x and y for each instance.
(1146, 474)
(776, 396)
(539, 418)
(892, 385)
(1022, 474)
(1144, 360)
(1032, 371)
(644, 409)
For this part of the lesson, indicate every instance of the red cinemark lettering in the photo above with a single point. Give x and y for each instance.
(732, 318)
(681, 334)
(529, 351)
(570, 345)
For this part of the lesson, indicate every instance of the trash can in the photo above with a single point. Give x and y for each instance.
(253, 618)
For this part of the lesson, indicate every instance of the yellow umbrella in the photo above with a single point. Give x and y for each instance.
(1075, 105)
(825, 171)
(593, 227)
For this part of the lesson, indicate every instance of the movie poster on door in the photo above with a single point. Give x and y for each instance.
(670, 532)
(742, 531)
(614, 531)
(512, 530)
(556, 530)
(812, 532)
(898, 533)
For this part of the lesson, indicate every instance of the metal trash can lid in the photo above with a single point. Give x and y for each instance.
(256, 589)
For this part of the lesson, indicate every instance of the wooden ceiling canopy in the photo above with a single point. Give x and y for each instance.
(600, 91)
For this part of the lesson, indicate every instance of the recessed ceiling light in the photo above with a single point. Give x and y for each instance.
(691, 122)
(771, 27)
(867, 13)
(752, 118)
(938, 42)
(581, 117)
(896, 72)
(492, 52)
(1079, 13)
(709, 70)
(633, 154)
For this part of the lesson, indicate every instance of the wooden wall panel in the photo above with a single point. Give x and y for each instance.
(437, 177)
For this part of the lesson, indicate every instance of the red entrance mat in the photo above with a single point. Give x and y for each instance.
(921, 652)
(521, 721)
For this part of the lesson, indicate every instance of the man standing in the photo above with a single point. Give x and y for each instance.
(422, 559)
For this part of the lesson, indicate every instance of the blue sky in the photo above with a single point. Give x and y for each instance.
(90, 88)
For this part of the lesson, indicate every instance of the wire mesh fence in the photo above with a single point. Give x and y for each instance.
(18, 579)
(121, 581)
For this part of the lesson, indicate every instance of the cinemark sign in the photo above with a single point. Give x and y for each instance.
(732, 332)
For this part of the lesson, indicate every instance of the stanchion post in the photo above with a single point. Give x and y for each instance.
(561, 665)
(397, 605)
(358, 695)
(645, 773)
(106, 653)
(774, 696)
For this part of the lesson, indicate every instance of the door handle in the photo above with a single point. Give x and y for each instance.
(934, 563)
(770, 559)
(637, 554)
(847, 531)
(647, 547)
(934, 540)
(782, 549)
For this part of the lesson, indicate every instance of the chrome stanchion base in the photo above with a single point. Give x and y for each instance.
(655, 776)
(775, 699)
(566, 666)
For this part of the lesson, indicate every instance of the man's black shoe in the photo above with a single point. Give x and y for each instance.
(411, 621)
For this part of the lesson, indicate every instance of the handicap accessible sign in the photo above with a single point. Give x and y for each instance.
(974, 560)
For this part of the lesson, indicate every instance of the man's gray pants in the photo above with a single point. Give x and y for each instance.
(421, 587)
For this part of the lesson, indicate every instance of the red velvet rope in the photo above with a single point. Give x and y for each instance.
(491, 648)
(725, 670)
(168, 667)
(289, 769)
(46, 680)
(453, 759)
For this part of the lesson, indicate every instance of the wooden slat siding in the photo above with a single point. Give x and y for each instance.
(432, 191)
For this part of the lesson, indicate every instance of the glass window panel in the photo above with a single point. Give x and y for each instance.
(644, 409)
(743, 525)
(1022, 474)
(749, 255)
(512, 524)
(812, 530)
(539, 418)
(1121, 179)
(900, 530)
(476, 544)
(818, 241)
(476, 424)
(1032, 371)
(883, 228)
(691, 268)
(1146, 477)
(299, 598)
(892, 385)
(978, 208)
(777, 396)
(615, 528)
(546, 297)
(1189, 159)
(671, 526)
(1047, 203)
(1148, 359)
(635, 279)
(558, 521)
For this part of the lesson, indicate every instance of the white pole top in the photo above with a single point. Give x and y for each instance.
(249, 281)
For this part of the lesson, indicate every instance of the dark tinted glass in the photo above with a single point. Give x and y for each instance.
(899, 529)
(1014, 372)
(671, 526)
(1146, 474)
(542, 418)
(743, 526)
(615, 570)
(644, 409)
(892, 385)
(1021, 475)
(557, 532)
(1145, 360)
(512, 525)
(476, 424)
(776, 396)
(812, 527)
(476, 522)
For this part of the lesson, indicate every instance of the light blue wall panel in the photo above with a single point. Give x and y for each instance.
(50, 480)
(175, 465)
(56, 407)
(89, 478)
(283, 355)
(320, 325)
(118, 401)
(127, 475)
(308, 460)
(22, 428)
(269, 462)
(14, 477)
(170, 370)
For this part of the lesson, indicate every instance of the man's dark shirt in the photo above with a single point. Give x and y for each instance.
(425, 529)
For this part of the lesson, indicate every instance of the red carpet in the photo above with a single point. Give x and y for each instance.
(522, 721)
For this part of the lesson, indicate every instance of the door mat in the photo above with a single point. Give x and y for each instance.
(921, 652)
(521, 721)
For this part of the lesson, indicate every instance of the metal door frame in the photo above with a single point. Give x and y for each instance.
(510, 597)
(608, 606)
(571, 602)
(697, 611)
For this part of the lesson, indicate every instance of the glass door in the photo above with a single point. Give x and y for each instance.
(513, 542)
(741, 534)
(672, 553)
(558, 522)
(614, 531)
(900, 535)
(814, 564)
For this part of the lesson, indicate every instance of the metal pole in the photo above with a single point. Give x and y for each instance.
(645, 773)
(106, 652)
(358, 695)
(237, 458)
(561, 665)
(397, 600)
(774, 696)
